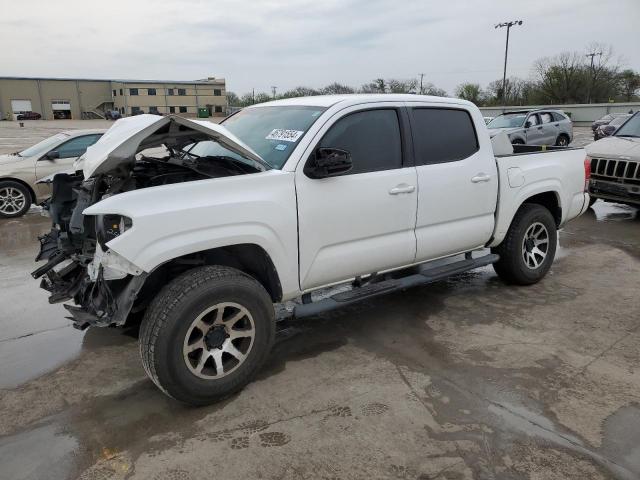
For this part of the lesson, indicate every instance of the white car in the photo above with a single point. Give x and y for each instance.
(379, 192)
(21, 172)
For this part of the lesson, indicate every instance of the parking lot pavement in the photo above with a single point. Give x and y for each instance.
(582, 136)
(466, 378)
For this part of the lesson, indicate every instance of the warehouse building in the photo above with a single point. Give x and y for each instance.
(63, 98)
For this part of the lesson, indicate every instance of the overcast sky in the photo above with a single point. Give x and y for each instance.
(257, 44)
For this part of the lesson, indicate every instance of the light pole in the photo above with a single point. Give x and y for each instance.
(506, 50)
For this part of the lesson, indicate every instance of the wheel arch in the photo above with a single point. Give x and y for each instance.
(248, 258)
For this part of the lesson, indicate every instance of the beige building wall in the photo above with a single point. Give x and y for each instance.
(91, 97)
(182, 98)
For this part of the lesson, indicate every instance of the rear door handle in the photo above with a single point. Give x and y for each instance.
(481, 177)
(402, 189)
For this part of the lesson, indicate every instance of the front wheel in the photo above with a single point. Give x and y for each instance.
(15, 199)
(206, 334)
(528, 249)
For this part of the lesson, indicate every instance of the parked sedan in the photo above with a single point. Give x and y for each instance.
(20, 171)
(610, 128)
(534, 127)
(605, 120)
(29, 116)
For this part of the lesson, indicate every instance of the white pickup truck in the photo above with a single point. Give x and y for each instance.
(199, 229)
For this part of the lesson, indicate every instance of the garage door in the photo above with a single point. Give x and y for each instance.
(19, 106)
(61, 109)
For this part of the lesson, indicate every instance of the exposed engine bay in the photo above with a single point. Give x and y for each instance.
(76, 249)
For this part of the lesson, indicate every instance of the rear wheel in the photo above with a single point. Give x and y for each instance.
(528, 249)
(15, 199)
(206, 334)
(562, 141)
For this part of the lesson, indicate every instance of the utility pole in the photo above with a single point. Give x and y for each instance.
(273, 91)
(592, 54)
(506, 51)
(421, 77)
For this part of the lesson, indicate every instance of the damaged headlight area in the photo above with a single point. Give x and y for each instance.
(80, 266)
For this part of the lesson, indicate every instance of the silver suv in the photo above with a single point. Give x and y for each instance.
(534, 127)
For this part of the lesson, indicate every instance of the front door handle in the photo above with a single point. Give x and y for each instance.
(404, 188)
(481, 177)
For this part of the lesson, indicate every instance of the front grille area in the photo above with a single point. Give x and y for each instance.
(626, 171)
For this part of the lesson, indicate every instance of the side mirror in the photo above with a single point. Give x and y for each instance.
(52, 155)
(328, 162)
(527, 124)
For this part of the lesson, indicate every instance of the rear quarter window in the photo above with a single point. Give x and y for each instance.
(442, 135)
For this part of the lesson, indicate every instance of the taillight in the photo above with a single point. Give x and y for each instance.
(587, 173)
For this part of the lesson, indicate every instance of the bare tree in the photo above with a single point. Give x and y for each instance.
(336, 88)
(629, 84)
(402, 86)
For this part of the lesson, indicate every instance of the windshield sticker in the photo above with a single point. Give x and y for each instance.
(281, 147)
(284, 135)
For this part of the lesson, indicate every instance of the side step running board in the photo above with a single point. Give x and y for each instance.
(427, 275)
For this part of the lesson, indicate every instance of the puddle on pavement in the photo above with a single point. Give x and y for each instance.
(40, 453)
(613, 212)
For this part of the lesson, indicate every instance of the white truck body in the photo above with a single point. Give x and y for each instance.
(320, 232)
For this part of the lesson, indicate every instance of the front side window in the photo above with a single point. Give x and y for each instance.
(133, 91)
(533, 120)
(151, 91)
(372, 137)
(442, 135)
(76, 146)
(43, 146)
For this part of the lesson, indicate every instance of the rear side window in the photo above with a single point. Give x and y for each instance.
(546, 117)
(442, 135)
(371, 137)
(558, 117)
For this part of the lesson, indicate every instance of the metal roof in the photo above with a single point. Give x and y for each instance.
(181, 82)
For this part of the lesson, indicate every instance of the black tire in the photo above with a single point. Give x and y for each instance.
(10, 194)
(512, 267)
(517, 141)
(169, 319)
(562, 140)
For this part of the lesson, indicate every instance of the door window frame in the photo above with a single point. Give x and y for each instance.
(406, 152)
(436, 107)
(57, 147)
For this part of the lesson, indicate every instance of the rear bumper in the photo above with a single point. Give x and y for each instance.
(615, 191)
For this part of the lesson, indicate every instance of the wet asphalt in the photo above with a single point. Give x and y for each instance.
(466, 378)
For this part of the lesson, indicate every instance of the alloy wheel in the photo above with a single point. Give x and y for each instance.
(12, 200)
(535, 245)
(218, 340)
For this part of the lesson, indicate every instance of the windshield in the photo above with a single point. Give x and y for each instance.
(631, 128)
(44, 145)
(272, 132)
(512, 120)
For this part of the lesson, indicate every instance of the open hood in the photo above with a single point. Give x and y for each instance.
(131, 135)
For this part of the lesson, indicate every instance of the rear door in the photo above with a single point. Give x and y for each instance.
(535, 135)
(457, 181)
(549, 128)
(362, 221)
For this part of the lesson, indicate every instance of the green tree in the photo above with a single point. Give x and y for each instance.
(629, 84)
(470, 91)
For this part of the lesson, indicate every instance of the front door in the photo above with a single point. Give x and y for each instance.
(361, 221)
(457, 181)
(61, 158)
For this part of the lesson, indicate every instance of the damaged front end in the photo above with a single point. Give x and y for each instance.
(80, 267)
(103, 286)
